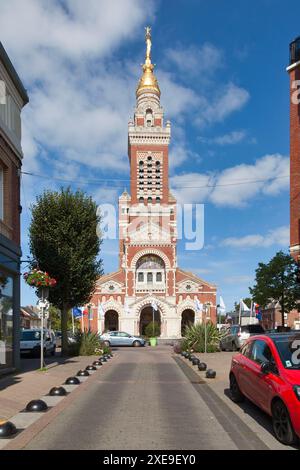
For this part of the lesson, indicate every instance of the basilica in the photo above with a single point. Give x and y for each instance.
(149, 284)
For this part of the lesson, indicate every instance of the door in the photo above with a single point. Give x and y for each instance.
(124, 339)
(261, 385)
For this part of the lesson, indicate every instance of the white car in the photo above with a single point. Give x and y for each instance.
(30, 342)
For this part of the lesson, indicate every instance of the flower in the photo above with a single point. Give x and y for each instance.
(38, 278)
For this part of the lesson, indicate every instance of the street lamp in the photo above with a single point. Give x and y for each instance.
(206, 309)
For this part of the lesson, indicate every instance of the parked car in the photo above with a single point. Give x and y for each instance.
(235, 336)
(267, 372)
(30, 342)
(120, 338)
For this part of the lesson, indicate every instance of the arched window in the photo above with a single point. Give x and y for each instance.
(149, 117)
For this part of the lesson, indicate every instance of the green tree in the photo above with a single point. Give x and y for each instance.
(277, 280)
(64, 242)
(55, 318)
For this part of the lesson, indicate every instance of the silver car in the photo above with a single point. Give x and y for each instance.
(120, 338)
(234, 336)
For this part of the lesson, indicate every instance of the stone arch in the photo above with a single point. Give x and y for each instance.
(186, 305)
(147, 302)
(150, 251)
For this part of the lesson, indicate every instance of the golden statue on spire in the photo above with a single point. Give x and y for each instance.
(148, 43)
(148, 81)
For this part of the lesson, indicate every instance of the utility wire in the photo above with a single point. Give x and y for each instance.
(122, 181)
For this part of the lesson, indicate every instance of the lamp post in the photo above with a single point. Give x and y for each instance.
(43, 294)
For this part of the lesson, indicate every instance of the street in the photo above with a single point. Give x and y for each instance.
(150, 399)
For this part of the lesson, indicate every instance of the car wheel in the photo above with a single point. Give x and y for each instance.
(106, 343)
(282, 425)
(136, 344)
(236, 394)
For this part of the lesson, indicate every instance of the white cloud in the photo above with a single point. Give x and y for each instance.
(196, 60)
(80, 96)
(228, 99)
(232, 138)
(235, 186)
(279, 236)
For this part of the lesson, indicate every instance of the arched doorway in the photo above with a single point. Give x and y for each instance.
(146, 317)
(187, 318)
(111, 321)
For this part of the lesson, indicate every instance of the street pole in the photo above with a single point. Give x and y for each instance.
(73, 325)
(42, 334)
(89, 318)
(153, 321)
(205, 332)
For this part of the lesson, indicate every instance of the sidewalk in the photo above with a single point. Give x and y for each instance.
(18, 389)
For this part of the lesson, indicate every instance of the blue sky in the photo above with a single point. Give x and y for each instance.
(221, 69)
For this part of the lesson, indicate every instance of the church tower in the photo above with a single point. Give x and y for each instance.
(148, 283)
(294, 73)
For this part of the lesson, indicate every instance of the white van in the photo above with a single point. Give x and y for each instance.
(30, 343)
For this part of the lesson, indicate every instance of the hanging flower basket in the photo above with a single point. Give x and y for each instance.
(39, 279)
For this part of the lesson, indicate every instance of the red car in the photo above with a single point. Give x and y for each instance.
(267, 372)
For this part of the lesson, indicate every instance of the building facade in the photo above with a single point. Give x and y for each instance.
(13, 98)
(294, 73)
(149, 284)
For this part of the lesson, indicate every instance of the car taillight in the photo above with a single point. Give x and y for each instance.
(297, 391)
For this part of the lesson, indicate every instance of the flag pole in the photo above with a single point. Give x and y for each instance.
(73, 325)
(82, 323)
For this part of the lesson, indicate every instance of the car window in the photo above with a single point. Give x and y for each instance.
(234, 329)
(246, 349)
(113, 333)
(123, 335)
(31, 335)
(289, 351)
(261, 352)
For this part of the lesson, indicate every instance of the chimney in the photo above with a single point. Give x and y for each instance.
(294, 72)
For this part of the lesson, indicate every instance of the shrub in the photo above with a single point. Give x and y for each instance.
(152, 329)
(87, 343)
(194, 338)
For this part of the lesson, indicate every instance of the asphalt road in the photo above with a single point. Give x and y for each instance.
(146, 400)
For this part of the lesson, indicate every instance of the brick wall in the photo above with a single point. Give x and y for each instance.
(294, 162)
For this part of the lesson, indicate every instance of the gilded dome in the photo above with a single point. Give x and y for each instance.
(148, 81)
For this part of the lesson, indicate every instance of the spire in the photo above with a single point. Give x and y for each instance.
(148, 81)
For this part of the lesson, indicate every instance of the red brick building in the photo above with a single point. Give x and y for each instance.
(294, 73)
(13, 97)
(148, 273)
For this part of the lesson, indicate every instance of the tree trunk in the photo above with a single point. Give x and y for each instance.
(64, 330)
(282, 309)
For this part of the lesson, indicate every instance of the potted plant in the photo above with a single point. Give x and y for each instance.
(41, 280)
(152, 330)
